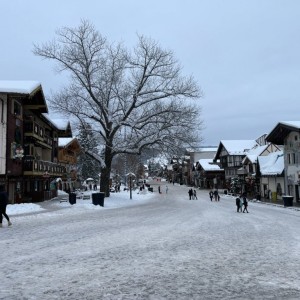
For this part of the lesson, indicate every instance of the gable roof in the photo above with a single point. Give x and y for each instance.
(253, 153)
(19, 87)
(281, 130)
(31, 93)
(208, 165)
(272, 164)
(235, 147)
(63, 126)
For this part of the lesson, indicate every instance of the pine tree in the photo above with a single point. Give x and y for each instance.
(87, 165)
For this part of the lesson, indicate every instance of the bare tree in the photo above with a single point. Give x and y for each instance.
(132, 99)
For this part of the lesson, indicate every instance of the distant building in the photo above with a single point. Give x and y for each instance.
(270, 170)
(209, 174)
(287, 133)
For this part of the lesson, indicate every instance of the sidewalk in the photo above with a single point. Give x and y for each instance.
(276, 202)
(296, 205)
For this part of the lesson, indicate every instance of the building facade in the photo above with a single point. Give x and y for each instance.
(29, 143)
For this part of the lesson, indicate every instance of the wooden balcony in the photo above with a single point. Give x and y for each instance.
(37, 132)
(67, 159)
(42, 168)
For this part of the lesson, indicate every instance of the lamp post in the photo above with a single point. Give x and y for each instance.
(130, 183)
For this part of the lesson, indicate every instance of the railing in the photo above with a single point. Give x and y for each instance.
(67, 158)
(35, 130)
(40, 167)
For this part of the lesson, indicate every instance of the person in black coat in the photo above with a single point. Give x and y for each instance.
(191, 193)
(238, 204)
(3, 204)
(245, 203)
(211, 195)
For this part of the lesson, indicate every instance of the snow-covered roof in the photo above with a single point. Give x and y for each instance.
(295, 124)
(238, 147)
(62, 142)
(207, 165)
(18, 86)
(253, 153)
(208, 149)
(272, 164)
(281, 130)
(202, 149)
(60, 124)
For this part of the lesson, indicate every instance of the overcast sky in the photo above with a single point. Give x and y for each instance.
(245, 55)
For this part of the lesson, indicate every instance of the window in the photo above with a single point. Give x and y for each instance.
(291, 158)
(17, 108)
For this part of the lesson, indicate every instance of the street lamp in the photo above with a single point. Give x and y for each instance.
(130, 182)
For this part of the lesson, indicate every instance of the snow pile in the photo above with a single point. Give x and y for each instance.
(115, 200)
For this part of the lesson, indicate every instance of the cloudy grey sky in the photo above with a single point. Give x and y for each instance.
(245, 55)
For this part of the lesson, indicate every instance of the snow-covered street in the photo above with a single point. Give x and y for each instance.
(162, 246)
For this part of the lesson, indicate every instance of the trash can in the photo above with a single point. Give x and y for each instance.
(225, 192)
(287, 200)
(98, 198)
(258, 197)
(72, 198)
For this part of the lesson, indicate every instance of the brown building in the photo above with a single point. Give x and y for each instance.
(29, 143)
(68, 151)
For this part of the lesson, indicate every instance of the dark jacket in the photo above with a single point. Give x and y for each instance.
(237, 201)
(3, 199)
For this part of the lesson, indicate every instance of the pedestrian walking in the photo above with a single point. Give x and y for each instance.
(245, 203)
(238, 204)
(211, 194)
(3, 204)
(195, 195)
(190, 193)
(159, 189)
(216, 194)
(167, 189)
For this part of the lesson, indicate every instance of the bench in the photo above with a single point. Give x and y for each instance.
(63, 200)
(86, 197)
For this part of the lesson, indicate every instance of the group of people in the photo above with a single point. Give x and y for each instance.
(159, 189)
(192, 194)
(3, 204)
(214, 194)
(240, 202)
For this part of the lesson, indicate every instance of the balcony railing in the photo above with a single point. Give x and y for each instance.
(68, 159)
(38, 132)
(44, 168)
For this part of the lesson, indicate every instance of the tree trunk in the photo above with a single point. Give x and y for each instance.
(105, 172)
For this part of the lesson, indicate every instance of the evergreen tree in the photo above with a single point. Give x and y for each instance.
(88, 166)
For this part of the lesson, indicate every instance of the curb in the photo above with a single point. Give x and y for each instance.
(277, 205)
